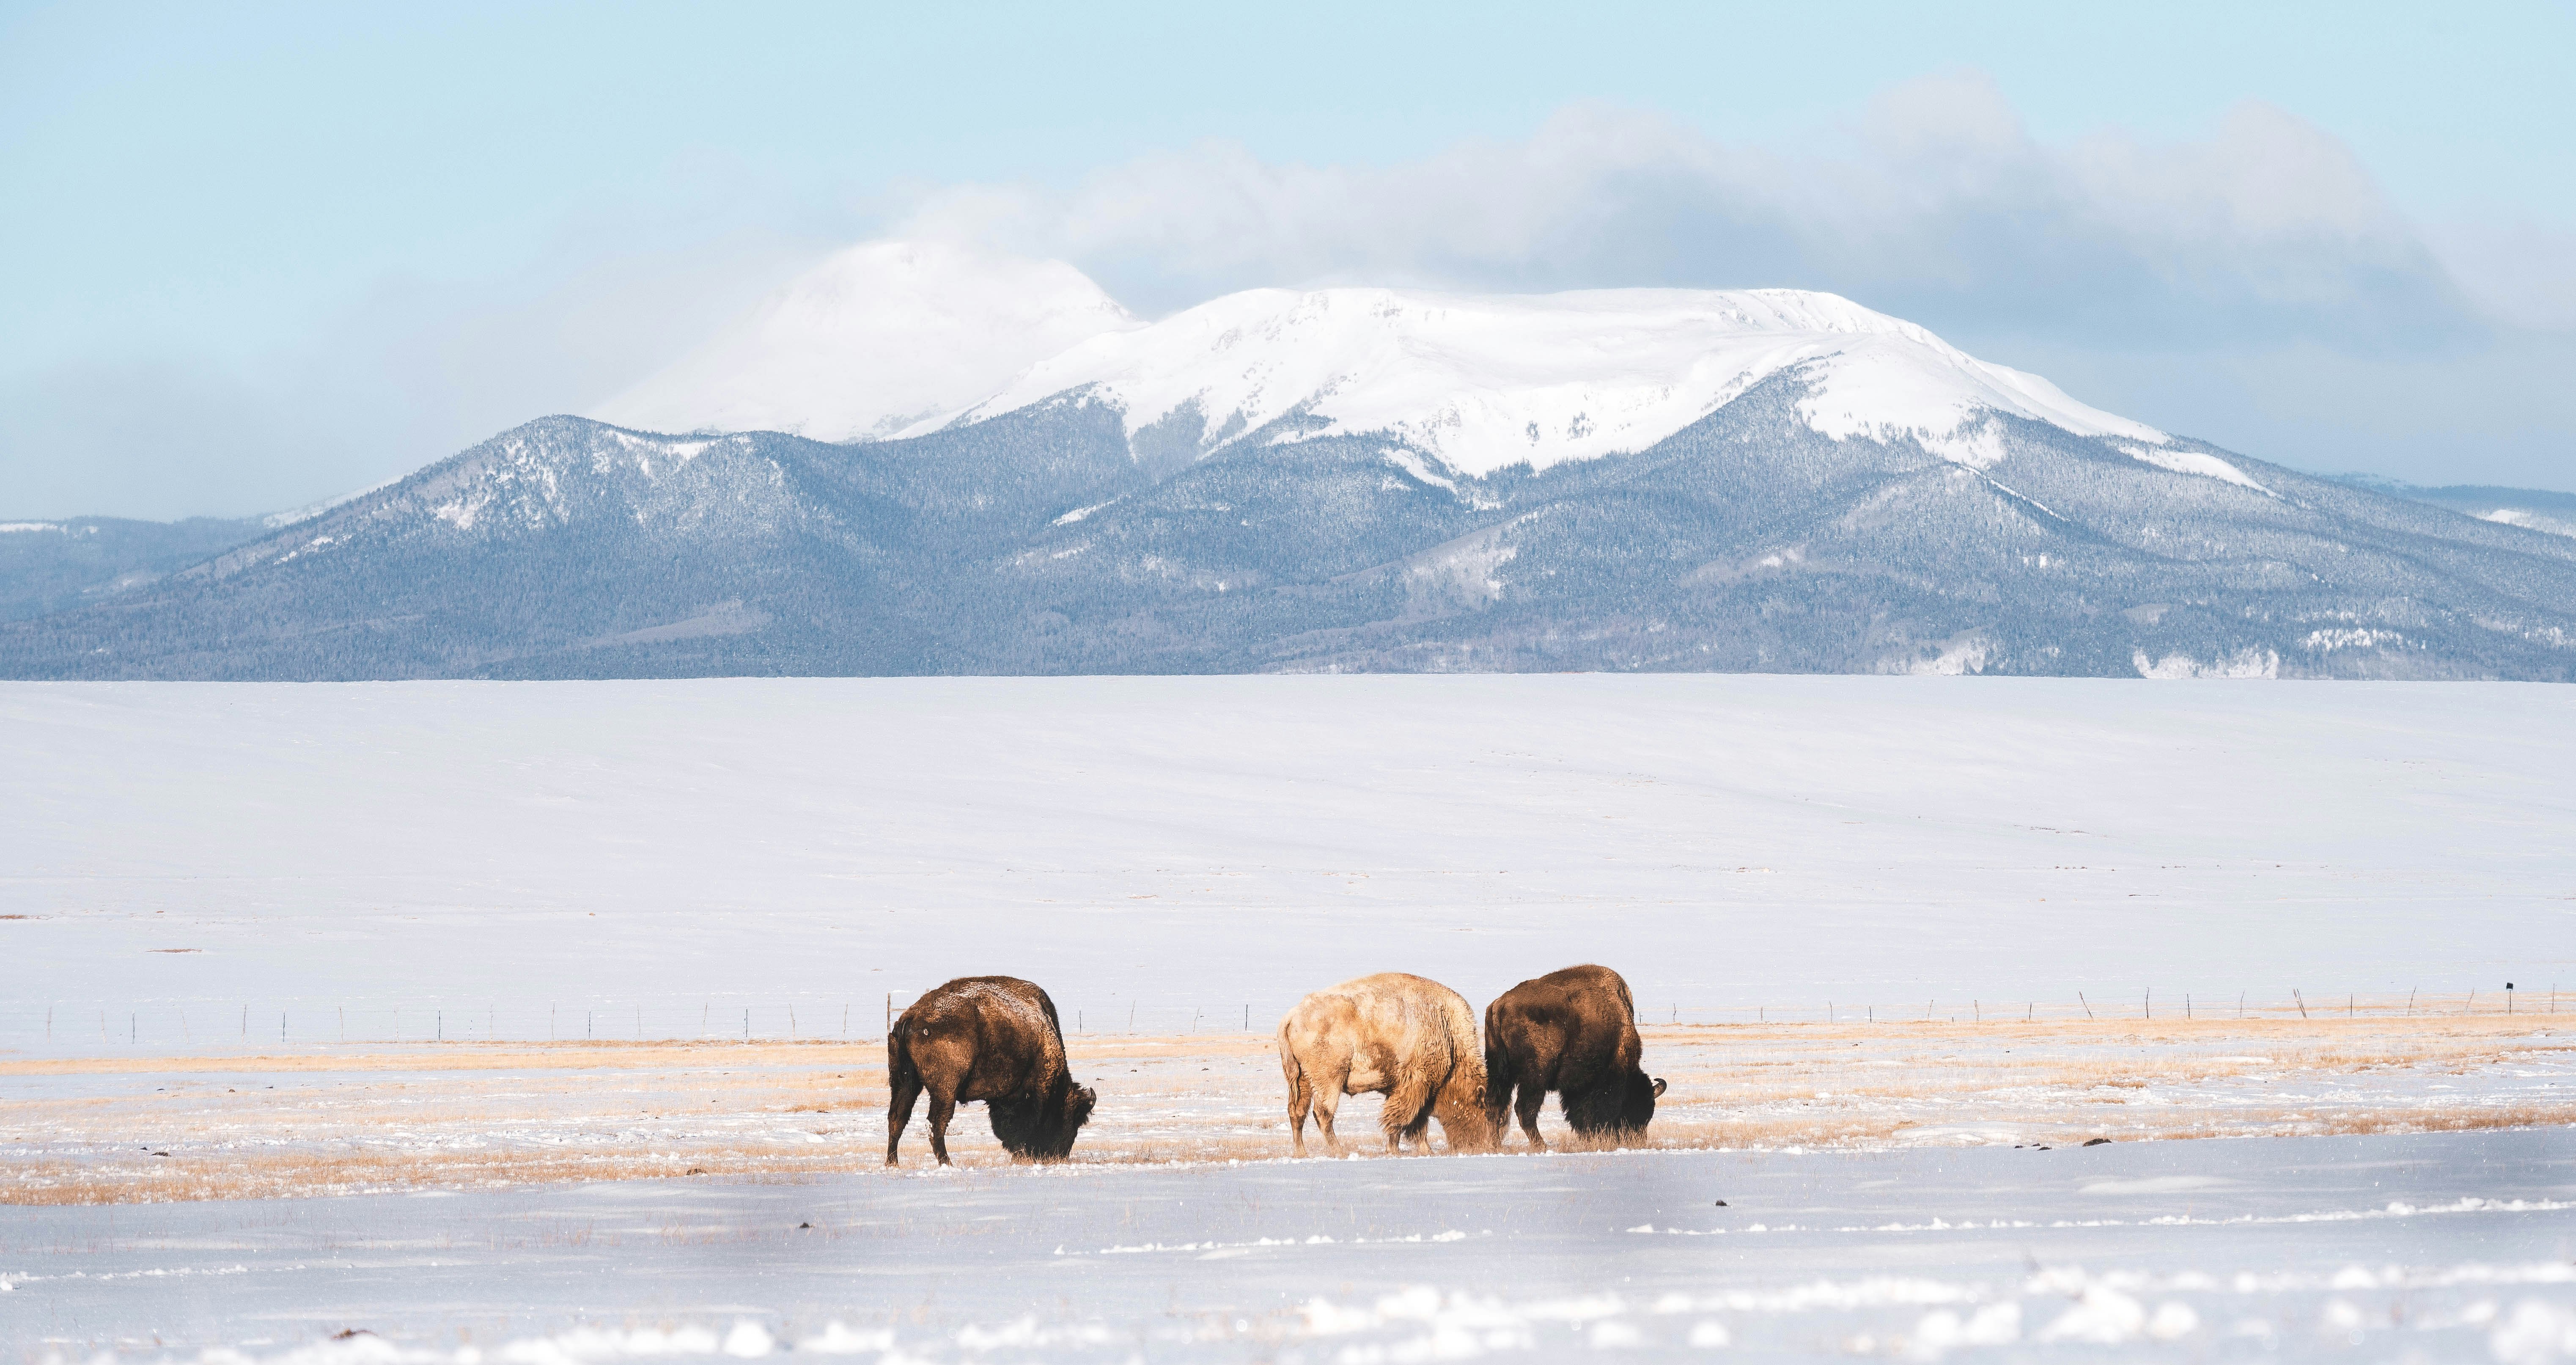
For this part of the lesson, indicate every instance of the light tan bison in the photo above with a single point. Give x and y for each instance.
(1410, 1039)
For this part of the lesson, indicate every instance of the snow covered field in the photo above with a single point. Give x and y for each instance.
(220, 864)
(503, 949)
(2438, 1247)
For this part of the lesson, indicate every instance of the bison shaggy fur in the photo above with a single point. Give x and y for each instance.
(1573, 1032)
(989, 1038)
(1408, 1038)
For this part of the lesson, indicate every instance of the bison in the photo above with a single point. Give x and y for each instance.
(989, 1038)
(1573, 1032)
(1405, 1037)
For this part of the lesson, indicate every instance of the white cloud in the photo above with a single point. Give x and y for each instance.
(2522, 270)
(1935, 203)
(2253, 286)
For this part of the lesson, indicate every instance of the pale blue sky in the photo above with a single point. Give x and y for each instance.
(261, 254)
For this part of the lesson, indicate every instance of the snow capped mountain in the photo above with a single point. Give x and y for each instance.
(1484, 382)
(871, 340)
(907, 338)
(1338, 480)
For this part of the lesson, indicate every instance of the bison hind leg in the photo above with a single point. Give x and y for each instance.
(1525, 1108)
(906, 1090)
(1327, 1091)
(1301, 1098)
(942, 1109)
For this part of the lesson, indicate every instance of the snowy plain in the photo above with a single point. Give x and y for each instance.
(243, 876)
(197, 863)
(2431, 1246)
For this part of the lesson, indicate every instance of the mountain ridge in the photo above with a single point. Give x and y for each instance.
(567, 548)
(1353, 480)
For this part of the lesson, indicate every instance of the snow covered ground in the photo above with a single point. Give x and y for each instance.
(2436, 1246)
(502, 948)
(224, 864)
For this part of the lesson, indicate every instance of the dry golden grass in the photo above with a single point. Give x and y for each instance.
(466, 1115)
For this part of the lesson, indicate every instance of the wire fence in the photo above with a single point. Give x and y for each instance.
(166, 1025)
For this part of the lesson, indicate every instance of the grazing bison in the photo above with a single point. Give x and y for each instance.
(989, 1038)
(1573, 1032)
(1407, 1038)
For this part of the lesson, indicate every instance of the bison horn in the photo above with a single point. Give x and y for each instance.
(1659, 1087)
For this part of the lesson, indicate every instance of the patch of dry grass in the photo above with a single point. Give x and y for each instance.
(477, 1115)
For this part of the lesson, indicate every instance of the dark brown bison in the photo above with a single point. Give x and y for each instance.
(1408, 1038)
(1573, 1032)
(989, 1038)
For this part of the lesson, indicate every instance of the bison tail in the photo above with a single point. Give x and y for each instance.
(1288, 1063)
(899, 1064)
(1499, 1081)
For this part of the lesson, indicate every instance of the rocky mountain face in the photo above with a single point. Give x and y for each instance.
(1055, 538)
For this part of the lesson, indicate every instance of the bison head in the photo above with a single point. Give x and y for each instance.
(1042, 1127)
(1637, 1106)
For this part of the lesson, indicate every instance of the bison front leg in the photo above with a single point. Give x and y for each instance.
(1407, 1115)
(907, 1088)
(1418, 1133)
(942, 1109)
